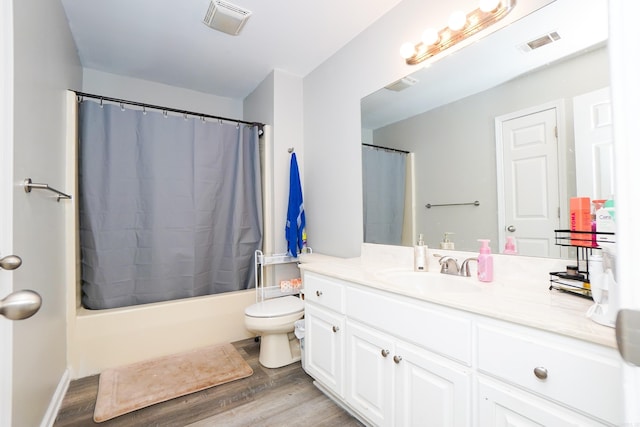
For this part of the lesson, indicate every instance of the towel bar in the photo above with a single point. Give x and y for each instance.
(28, 185)
(476, 203)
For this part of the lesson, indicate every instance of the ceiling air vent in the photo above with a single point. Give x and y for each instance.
(402, 84)
(226, 17)
(540, 41)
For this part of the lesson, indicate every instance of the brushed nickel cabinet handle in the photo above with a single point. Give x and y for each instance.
(384, 353)
(541, 372)
(335, 329)
(318, 293)
(397, 358)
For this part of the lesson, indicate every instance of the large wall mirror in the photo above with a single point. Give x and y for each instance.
(454, 118)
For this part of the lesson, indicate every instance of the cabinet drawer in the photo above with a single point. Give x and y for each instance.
(416, 322)
(575, 373)
(323, 291)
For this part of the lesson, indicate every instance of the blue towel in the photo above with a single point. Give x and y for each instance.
(296, 222)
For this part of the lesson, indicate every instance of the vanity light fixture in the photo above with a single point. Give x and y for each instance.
(460, 26)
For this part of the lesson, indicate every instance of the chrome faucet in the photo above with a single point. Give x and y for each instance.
(449, 265)
(464, 268)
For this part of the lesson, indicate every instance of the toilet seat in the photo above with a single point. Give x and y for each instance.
(275, 307)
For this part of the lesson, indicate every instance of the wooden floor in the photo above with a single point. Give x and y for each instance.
(270, 397)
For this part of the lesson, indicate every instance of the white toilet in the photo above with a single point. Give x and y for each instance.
(274, 320)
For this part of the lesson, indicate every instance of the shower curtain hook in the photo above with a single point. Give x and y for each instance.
(203, 119)
(165, 113)
(185, 116)
(122, 106)
(144, 110)
(101, 104)
(220, 122)
(238, 125)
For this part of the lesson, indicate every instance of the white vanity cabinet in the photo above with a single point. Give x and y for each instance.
(581, 382)
(392, 378)
(325, 331)
(400, 361)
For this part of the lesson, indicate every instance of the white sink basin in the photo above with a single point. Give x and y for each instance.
(428, 282)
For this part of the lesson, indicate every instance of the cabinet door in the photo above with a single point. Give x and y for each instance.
(369, 384)
(430, 390)
(324, 347)
(503, 406)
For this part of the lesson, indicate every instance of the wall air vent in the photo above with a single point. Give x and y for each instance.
(540, 41)
(226, 17)
(401, 84)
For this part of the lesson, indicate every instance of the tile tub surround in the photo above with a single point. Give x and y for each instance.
(519, 293)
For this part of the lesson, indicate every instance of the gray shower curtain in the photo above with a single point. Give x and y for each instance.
(383, 188)
(169, 207)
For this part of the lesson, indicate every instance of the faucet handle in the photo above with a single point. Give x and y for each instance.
(464, 268)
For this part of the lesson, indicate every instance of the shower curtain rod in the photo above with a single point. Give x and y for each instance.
(172, 110)
(386, 148)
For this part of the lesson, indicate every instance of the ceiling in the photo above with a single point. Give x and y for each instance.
(166, 41)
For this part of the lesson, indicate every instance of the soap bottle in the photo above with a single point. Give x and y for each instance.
(485, 262)
(420, 260)
(446, 243)
(510, 246)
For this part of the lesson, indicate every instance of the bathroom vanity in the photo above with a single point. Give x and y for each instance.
(397, 352)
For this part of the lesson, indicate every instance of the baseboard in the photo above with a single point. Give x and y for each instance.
(56, 400)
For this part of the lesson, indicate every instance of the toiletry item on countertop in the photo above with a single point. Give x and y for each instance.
(446, 243)
(510, 246)
(580, 220)
(420, 260)
(605, 222)
(485, 262)
(596, 205)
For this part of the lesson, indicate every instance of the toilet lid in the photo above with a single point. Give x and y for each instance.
(281, 306)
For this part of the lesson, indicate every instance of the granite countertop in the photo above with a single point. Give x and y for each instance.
(526, 301)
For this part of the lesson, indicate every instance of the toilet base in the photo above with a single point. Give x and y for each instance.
(277, 350)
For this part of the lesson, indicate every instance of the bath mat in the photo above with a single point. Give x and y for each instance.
(128, 388)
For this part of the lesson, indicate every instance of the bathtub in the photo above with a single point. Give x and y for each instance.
(100, 339)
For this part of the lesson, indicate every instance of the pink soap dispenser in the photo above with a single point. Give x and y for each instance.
(510, 246)
(485, 262)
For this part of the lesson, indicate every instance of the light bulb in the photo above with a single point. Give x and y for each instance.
(430, 36)
(457, 20)
(407, 50)
(488, 5)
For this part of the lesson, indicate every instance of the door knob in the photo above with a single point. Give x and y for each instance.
(511, 228)
(10, 262)
(20, 305)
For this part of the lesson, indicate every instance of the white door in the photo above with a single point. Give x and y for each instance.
(528, 180)
(430, 391)
(593, 129)
(6, 191)
(369, 373)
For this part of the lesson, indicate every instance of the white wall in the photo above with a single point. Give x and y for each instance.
(46, 64)
(278, 101)
(332, 94)
(458, 139)
(122, 87)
